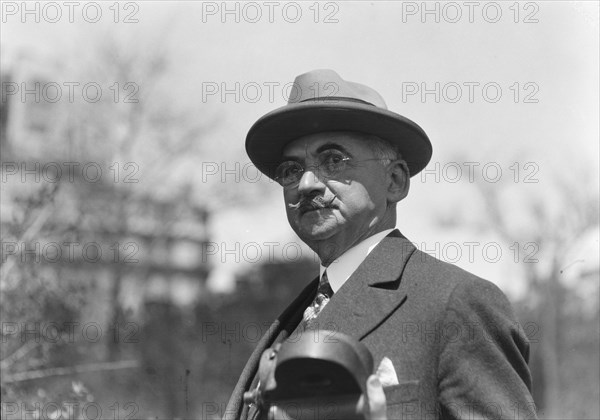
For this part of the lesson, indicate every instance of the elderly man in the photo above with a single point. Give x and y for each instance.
(445, 342)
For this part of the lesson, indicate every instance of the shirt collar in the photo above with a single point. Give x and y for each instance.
(342, 268)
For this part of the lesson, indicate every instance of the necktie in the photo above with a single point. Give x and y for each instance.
(324, 293)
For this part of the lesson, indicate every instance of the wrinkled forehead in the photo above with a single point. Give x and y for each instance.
(351, 143)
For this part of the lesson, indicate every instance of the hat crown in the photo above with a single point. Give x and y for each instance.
(321, 101)
(326, 85)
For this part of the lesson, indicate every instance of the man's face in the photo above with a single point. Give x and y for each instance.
(354, 202)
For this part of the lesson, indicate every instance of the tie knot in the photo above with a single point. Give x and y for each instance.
(324, 286)
(324, 292)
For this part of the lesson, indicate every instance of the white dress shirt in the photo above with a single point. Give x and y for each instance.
(342, 268)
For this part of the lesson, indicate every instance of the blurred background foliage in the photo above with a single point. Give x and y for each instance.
(127, 326)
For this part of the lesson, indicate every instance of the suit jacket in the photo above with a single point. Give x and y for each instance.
(452, 337)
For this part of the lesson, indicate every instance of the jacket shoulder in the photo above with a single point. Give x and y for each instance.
(442, 278)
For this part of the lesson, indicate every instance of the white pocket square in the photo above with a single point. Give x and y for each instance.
(386, 373)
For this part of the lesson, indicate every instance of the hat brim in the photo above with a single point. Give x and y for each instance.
(270, 134)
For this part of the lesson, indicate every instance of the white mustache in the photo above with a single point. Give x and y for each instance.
(316, 202)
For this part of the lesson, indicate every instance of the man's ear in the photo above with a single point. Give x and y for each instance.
(398, 181)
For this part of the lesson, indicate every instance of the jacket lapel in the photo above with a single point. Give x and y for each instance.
(372, 292)
(279, 330)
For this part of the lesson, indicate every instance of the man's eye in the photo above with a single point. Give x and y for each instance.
(332, 160)
(291, 169)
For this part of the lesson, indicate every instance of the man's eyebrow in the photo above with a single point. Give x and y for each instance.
(320, 149)
(335, 146)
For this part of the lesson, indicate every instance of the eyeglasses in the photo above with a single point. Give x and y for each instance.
(330, 164)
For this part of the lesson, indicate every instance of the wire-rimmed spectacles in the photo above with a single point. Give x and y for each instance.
(330, 163)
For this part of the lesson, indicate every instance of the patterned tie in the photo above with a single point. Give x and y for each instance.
(324, 293)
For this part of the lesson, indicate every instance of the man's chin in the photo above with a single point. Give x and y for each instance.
(316, 225)
(311, 232)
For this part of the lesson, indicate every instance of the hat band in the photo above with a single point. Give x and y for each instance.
(336, 99)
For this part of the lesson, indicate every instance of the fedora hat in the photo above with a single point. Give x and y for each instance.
(322, 101)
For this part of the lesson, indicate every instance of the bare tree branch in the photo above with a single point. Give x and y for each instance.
(71, 370)
(18, 354)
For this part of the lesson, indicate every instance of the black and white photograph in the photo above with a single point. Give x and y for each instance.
(299, 210)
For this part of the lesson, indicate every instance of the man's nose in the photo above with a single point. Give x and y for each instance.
(309, 182)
